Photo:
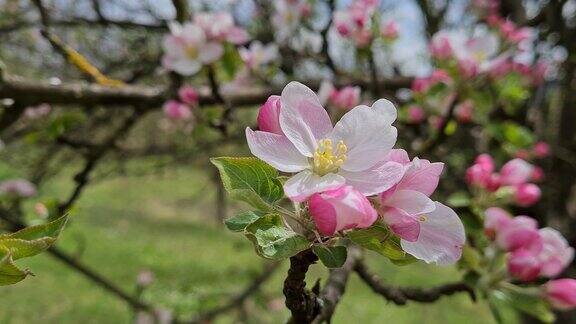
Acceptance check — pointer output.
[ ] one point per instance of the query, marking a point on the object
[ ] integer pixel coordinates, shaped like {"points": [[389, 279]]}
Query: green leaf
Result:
{"points": [[272, 240], [22, 249], [51, 230], [459, 199], [231, 60], [378, 238], [239, 222], [251, 180], [9, 272], [331, 256], [526, 300]]}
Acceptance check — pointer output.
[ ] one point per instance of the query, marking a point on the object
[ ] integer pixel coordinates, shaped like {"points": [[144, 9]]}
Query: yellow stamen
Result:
{"points": [[192, 52], [423, 218], [325, 161]]}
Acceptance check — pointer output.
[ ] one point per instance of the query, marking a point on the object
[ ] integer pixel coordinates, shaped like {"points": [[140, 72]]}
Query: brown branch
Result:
{"points": [[30, 92], [239, 299], [401, 295], [301, 302]]}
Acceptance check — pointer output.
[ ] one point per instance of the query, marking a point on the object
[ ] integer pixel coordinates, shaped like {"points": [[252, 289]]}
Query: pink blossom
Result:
{"points": [[485, 161], [464, 111], [354, 22], [561, 293], [515, 172], [556, 254], [539, 72], [541, 149], [526, 194], [258, 55], [176, 110], [186, 49], [421, 85], [389, 30], [537, 174], [341, 209], [495, 219], [481, 173], [346, 98], [524, 265], [188, 95], [416, 114], [428, 230], [468, 68], [440, 47], [324, 157], [18, 188], [269, 116]]}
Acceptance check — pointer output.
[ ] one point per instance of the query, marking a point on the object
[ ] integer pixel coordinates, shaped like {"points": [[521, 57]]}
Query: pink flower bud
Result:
{"points": [[541, 149], [464, 112], [556, 254], [440, 47], [346, 98], [416, 114], [495, 219], [524, 265], [527, 194], [561, 293], [18, 188], [486, 162], [537, 174], [516, 171], [468, 68], [269, 116], [341, 209], [390, 31], [188, 95], [176, 110]]}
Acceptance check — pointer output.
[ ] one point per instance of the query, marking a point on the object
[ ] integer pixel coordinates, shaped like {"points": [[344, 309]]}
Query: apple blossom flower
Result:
{"points": [[556, 254], [186, 49], [324, 157], [428, 230], [527, 194], [416, 114], [480, 50], [287, 17], [18, 188], [468, 68], [188, 95], [176, 110], [341, 209], [515, 172], [346, 98], [541, 149], [521, 232], [524, 265], [354, 22], [219, 27], [258, 55], [561, 293], [495, 219], [440, 47]]}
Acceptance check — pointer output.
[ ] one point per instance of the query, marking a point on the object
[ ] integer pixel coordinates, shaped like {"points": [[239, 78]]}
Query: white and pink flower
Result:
{"points": [[325, 157], [258, 55]]}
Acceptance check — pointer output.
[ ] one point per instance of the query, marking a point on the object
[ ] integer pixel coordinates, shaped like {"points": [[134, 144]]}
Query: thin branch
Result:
{"points": [[301, 302], [434, 141], [401, 295]]}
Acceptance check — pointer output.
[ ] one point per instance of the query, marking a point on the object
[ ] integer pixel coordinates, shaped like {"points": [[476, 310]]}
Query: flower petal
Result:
{"points": [[185, 66], [211, 52], [410, 201], [377, 179], [422, 176], [441, 237], [276, 150], [398, 155], [324, 215], [304, 184], [302, 117], [367, 133], [402, 224]]}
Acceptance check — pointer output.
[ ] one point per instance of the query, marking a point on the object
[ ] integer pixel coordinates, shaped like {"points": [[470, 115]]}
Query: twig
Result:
{"points": [[401, 295], [300, 301], [432, 142]]}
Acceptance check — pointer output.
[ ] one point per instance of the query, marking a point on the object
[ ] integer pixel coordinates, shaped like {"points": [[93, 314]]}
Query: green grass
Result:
{"points": [[167, 224]]}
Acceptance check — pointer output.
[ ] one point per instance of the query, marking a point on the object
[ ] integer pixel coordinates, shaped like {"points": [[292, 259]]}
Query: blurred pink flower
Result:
{"points": [[389, 30], [520, 233], [346, 98], [561, 293], [515, 172], [541, 149], [258, 55], [37, 112], [465, 111], [18, 188], [524, 265], [526, 194], [176, 110], [341, 209], [440, 47], [188, 95], [556, 254], [416, 114], [220, 27]]}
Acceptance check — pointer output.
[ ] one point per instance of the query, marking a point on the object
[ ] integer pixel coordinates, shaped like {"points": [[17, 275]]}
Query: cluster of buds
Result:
{"points": [[356, 23], [181, 109], [514, 178], [344, 98], [190, 46]]}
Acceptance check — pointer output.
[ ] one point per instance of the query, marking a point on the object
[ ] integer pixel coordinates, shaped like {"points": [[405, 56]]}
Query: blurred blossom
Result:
{"points": [[188, 95], [176, 110], [258, 55], [561, 293], [38, 112], [527, 194], [524, 265], [464, 111], [541, 149], [416, 114], [145, 278], [41, 210], [440, 47], [18, 188], [344, 98], [389, 30]]}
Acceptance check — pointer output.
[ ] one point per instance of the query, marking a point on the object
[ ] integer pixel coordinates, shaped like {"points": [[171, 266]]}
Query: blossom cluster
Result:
{"points": [[194, 44], [514, 179], [357, 23], [532, 253], [349, 176]]}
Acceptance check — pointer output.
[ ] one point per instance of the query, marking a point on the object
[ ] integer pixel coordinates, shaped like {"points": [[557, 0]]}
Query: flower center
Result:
{"points": [[326, 160], [192, 52], [423, 218]]}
